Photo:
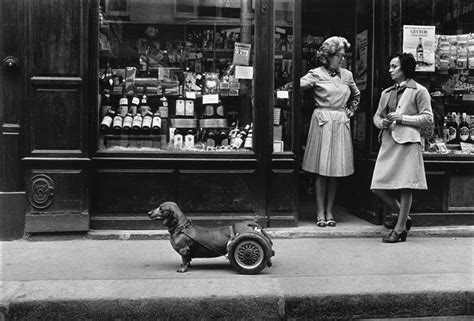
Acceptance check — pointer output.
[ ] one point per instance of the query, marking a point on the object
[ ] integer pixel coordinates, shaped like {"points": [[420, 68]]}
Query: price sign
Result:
{"points": [[241, 54]]}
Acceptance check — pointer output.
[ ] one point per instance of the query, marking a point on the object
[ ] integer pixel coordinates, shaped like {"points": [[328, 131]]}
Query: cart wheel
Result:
{"points": [[249, 253]]}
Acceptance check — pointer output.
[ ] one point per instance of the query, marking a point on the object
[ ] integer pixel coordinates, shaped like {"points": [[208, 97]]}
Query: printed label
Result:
{"points": [[180, 107]]}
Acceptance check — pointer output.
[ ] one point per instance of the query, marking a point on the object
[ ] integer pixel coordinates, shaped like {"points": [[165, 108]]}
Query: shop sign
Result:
{"points": [[241, 54], [421, 42]]}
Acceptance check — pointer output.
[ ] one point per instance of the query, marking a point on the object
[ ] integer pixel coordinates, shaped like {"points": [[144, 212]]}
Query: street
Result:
{"points": [[352, 273]]}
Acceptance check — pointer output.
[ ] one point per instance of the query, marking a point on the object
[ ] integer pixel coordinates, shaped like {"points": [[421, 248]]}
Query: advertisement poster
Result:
{"points": [[421, 42], [361, 60], [241, 54]]}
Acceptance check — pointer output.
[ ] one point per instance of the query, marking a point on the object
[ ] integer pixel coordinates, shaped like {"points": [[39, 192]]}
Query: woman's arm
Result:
{"points": [[307, 81], [380, 113], [354, 100], [424, 117]]}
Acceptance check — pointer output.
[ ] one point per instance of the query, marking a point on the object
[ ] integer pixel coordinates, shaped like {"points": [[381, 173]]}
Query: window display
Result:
{"points": [[452, 83], [168, 83]]}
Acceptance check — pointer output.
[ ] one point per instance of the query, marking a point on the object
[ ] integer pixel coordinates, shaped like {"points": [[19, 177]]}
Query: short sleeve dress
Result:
{"points": [[329, 149]]}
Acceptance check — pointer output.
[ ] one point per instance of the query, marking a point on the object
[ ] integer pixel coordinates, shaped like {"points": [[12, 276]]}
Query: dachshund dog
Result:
{"points": [[193, 241]]}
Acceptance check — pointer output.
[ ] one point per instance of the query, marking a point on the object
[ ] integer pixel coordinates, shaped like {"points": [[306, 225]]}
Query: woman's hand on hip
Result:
{"points": [[349, 112]]}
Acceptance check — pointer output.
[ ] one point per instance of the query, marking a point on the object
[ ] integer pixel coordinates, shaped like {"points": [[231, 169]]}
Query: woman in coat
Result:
{"points": [[329, 152], [403, 109]]}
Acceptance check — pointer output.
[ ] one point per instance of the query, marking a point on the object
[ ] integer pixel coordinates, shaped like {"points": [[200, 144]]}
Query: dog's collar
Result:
{"points": [[180, 227]]}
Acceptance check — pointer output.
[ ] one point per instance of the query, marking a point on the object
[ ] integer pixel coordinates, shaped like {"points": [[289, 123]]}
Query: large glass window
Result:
{"points": [[446, 68], [176, 76]]}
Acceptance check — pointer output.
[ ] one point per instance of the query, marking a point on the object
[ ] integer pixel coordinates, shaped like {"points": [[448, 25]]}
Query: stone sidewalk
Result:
{"points": [[312, 278]]}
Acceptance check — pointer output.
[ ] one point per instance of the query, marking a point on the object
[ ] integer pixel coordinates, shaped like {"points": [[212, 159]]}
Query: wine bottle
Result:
{"points": [[144, 108], [189, 109], [223, 138], [178, 139], [147, 121], [233, 133], [105, 104], [180, 107], [208, 111], [445, 129], [241, 137], [123, 102], [127, 122], [453, 129], [189, 139], [156, 123], [211, 139], [464, 129], [137, 122], [135, 104], [248, 144], [163, 108], [118, 122], [107, 120]]}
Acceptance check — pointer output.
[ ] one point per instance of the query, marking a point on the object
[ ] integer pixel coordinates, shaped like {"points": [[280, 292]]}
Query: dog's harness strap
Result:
{"points": [[202, 244], [181, 227]]}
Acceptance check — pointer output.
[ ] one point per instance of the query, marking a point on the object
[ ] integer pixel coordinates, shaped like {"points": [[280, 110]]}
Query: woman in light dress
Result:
{"points": [[329, 152]]}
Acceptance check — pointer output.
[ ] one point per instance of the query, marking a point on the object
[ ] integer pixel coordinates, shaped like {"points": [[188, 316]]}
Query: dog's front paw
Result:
{"points": [[181, 269]]}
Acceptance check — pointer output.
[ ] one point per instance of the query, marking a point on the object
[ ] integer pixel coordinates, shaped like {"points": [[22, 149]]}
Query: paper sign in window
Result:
{"points": [[243, 72]]}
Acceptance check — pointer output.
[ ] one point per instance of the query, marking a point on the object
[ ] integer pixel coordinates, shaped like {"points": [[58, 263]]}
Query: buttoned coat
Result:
{"points": [[415, 107]]}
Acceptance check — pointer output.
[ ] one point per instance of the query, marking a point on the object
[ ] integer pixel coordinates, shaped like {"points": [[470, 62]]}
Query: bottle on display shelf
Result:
{"points": [[189, 110], [123, 102], [118, 122], [143, 108], [163, 106], [471, 129], [239, 140], [453, 129], [178, 139], [211, 139], [106, 80], [180, 110], [223, 138], [464, 129], [137, 123], [445, 129], [233, 133], [248, 144], [107, 121], [147, 121], [156, 123], [127, 122], [134, 105], [189, 139]]}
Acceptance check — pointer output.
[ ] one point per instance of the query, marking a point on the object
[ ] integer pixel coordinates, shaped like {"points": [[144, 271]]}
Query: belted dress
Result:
{"points": [[329, 150]]}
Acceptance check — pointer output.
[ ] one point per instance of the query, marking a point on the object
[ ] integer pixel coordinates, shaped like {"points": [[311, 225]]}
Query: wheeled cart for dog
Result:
{"points": [[249, 251]]}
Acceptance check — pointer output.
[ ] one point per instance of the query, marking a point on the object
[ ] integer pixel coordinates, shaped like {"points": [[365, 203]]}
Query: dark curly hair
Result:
{"points": [[407, 63]]}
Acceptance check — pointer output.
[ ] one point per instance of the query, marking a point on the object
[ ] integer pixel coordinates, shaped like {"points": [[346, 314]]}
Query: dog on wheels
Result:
{"points": [[247, 246]]}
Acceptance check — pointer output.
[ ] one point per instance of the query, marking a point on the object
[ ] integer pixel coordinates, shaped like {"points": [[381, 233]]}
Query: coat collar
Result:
{"points": [[409, 84]]}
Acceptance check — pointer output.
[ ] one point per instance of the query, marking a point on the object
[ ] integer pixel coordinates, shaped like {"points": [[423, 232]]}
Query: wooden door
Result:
{"points": [[57, 115], [12, 194]]}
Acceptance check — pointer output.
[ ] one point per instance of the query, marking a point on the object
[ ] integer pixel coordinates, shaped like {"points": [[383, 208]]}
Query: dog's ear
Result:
{"points": [[165, 210]]}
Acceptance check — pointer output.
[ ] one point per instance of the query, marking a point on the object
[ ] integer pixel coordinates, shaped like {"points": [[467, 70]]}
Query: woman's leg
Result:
{"points": [[388, 199], [331, 195], [406, 198], [321, 187]]}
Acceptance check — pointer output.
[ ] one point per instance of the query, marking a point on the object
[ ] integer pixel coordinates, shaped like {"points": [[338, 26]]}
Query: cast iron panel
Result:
{"points": [[433, 199], [56, 31], [57, 191], [283, 191], [461, 193], [57, 122], [217, 191], [131, 191]]}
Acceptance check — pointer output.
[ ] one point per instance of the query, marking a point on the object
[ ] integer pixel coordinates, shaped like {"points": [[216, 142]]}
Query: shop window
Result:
{"points": [[446, 68], [173, 81]]}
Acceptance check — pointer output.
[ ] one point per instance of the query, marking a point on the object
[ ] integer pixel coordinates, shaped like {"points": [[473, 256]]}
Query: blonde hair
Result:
{"points": [[330, 47]]}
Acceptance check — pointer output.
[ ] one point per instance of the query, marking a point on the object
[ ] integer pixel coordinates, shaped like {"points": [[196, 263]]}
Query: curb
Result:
{"points": [[274, 307]]}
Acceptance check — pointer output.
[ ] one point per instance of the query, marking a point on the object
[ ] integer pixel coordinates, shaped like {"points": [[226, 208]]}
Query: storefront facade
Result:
{"points": [[75, 72]]}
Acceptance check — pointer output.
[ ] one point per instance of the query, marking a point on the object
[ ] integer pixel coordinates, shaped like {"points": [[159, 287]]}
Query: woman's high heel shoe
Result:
{"points": [[395, 237]]}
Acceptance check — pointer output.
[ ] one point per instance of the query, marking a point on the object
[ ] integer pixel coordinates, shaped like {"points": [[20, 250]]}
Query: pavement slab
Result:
{"points": [[316, 278]]}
